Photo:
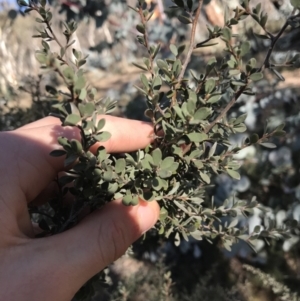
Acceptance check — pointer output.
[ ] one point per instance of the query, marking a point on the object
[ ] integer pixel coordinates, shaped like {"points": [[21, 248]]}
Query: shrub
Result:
{"points": [[192, 120]]}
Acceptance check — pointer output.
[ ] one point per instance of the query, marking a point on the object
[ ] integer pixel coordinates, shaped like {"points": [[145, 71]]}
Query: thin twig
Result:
{"points": [[265, 65], [146, 38], [262, 139], [189, 53], [72, 216], [274, 40], [53, 35], [48, 27], [192, 43], [227, 108]]}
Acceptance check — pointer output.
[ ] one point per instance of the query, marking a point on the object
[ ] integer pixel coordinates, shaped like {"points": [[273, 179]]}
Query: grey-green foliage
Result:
{"points": [[191, 129], [267, 281]]}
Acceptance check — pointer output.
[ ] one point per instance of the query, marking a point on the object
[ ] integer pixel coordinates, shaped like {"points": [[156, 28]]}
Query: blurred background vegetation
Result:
{"points": [[156, 269]]}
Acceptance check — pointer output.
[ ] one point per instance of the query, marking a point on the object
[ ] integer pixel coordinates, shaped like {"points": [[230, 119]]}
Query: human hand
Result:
{"points": [[54, 268]]}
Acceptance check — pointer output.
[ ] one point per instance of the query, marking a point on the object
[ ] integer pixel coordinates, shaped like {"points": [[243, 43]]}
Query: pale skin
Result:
{"points": [[54, 268]]}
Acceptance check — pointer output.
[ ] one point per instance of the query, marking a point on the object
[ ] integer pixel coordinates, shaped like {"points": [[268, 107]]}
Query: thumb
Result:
{"points": [[100, 239]]}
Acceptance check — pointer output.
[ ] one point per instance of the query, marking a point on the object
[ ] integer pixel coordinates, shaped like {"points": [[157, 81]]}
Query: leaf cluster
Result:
{"points": [[192, 128]]}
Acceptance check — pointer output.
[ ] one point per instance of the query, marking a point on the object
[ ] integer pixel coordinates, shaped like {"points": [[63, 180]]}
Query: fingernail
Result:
{"points": [[148, 215]]}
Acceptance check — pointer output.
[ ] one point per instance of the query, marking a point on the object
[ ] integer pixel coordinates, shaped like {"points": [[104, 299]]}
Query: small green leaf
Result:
{"points": [[72, 119], [22, 3], [79, 83], [41, 57], [62, 51], [210, 64], [278, 74], [49, 16], [103, 136], [76, 53], [146, 162], [157, 156], [161, 230], [68, 73], [191, 106], [112, 188], [180, 206], [234, 174], [58, 153], [120, 165], [162, 64], [256, 76], [76, 146], [212, 150], [262, 36], [141, 28], [174, 49], [63, 141], [164, 174], [214, 98], [157, 82], [38, 20], [173, 167], [184, 20], [241, 128], [201, 45], [268, 145], [198, 235], [70, 159], [140, 66], [205, 177], [81, 63], [45, 45], [157, 183], [232, 64], [202, 113], [234, 72], [89, 109], [245, 48], [163, 214], [279, 134], [210, 85], [144, 80], [238, 83], [181, 48], [197, 137], [155, 51], [107, 176], [101, 124], [149, 113], [167, 162], [227, 34], [263, 20], [51, 90], [240, 119], [254, 138]]}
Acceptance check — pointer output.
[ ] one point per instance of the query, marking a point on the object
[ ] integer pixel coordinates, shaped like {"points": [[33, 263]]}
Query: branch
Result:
{"points": [[190, 51], [274, 40], [53, 34], [192, 43], [227, 108], [146, 38], [48, 25], [266, 64]]}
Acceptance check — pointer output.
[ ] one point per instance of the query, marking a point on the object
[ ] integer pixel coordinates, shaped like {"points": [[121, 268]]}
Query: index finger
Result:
{"points": [[37, 140], [127, 135]]}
